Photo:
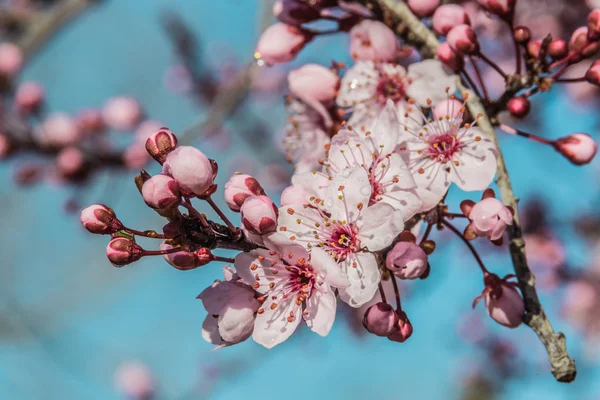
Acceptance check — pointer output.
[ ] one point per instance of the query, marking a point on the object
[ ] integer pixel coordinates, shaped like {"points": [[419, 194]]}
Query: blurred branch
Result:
{"points": [[563, 367]]}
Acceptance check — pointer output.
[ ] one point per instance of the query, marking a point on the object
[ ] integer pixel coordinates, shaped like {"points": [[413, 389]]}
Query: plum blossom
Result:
{"points": [[347, 228], [445, 150], [374, 151], [305, 137], [488, 217], [295, 285], [367, 86]]}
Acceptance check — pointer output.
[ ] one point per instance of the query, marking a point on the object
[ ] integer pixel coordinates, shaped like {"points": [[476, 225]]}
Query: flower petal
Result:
{"points": [[476, 162], [320, 310], [429, 80], [210, 330], [216, 296], [349, 190], [379, 225], [386, 129], [358, 84], [324, 264], [236, 321], [363, 274], [272, 326]]}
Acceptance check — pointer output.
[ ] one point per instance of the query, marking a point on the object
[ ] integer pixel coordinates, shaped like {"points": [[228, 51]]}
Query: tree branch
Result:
{"points": [[563, 367]]}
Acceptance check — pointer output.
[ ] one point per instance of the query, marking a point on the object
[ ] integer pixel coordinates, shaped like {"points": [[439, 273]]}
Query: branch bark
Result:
{"points": [[563, 366]]}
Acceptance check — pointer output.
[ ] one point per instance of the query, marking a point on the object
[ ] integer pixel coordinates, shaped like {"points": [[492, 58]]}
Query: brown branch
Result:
{"points": [[563, 367]]}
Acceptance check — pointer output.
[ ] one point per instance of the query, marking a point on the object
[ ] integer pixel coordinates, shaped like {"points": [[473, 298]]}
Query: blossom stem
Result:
{"points": [[570, 80], [382, 293], [397, 293], [223, 259], [469, 245], [517, 49], [535, 138], [148, 234], [427, 232], [480, 78], [161, 252], [471, 83], [188, 205], [494, 65], [220, 213], [454, 215]]}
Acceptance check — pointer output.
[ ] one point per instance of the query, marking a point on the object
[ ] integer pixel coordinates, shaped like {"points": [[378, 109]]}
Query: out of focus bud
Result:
{"points": [[579, 148], [380, 319], [29, 97], [448, 108], [534, 47], [593, 25], [522, 34], [295, 195], [314, 82], [100, 219], [519, 107], [6, 146], [403, 329], [373, 41], [238, 188], [593, 73], [59, 130], [192, 170], [11, 59], [502, 8], [90, 121], [294, 12], [122, 113], [423, 8], [259, 215], [160, 144], [122, 251], [558, 49], [447, 16], [161, 192], [281, 43], [449, 57], [406, 260], [70, 162], [462, 39], [134, 381], [579, 42]]}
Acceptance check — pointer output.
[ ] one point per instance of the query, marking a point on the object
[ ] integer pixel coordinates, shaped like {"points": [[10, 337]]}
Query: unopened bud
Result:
{"points": [[579, 148], [462, 39], [238, 188], [100, 219], [558, 49], [122, 251], [380, 319], [161, 192], [522, 34], [161, 144], [402, 330], [519, 107], [259, 215]]}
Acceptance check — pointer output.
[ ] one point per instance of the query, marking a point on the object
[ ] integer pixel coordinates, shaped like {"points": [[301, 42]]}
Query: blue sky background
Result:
{"points": [[69, 318]]}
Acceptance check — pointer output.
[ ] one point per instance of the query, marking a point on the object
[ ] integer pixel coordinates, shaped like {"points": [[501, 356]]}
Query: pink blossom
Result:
{"points": [[505, 305], [90, 121], [579, 148], [295, 194], [593, 24], [134, 380], [407, 260], [11, 59], [314, 83], [489, 218], [448, 16], [463, 40], [373, 41], [192, 170], [423, 8], [231, 306], [122, 113], [259, 215], [295, 285], [502, 8], [161, 192], [70, 161], [380, 319], [280, 43], [448, 107], [238, 188], [29, 97], [344, 226], [443, 151], [135, 156], [59, 130], [367, 87], [449, 57], [100, 219]]}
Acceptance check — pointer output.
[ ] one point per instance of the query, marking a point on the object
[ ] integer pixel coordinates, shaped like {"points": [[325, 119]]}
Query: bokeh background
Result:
{"points": [[69, 320]]}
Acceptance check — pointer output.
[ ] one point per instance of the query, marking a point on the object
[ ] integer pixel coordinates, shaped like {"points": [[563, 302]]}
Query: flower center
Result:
{"points": [[443, 147], [343, 241], [390, 87]]}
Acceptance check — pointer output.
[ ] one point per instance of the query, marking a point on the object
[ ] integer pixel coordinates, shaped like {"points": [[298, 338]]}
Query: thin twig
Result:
{"points": [[563, 366]]}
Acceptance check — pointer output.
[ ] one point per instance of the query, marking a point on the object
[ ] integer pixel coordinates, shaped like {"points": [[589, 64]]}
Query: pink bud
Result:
{"points": [[161, 192], [579, 148], [281, 43], [519, 107], [407, 260], [423, 8], [579, 40], [314, 82], [558, 49], [11, 59], [593, 24], [403, 329], [135, 156], [448, 108], [122, 251], [160, 144], [502, 8], [593, 73], [122, 113], [70, 162], [60, 130], [380, 319], [185, 260], [449, 57], [505, 305], [294, 12], [522, 34], [90, 121], [295, 195], [238, 188], [191, 169], [534, 47], [373, 41], [489, 218], [259, 215], [29, 97], [448, 16], [463, 40], [134, 380], [100, 219], [5, 146]]}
